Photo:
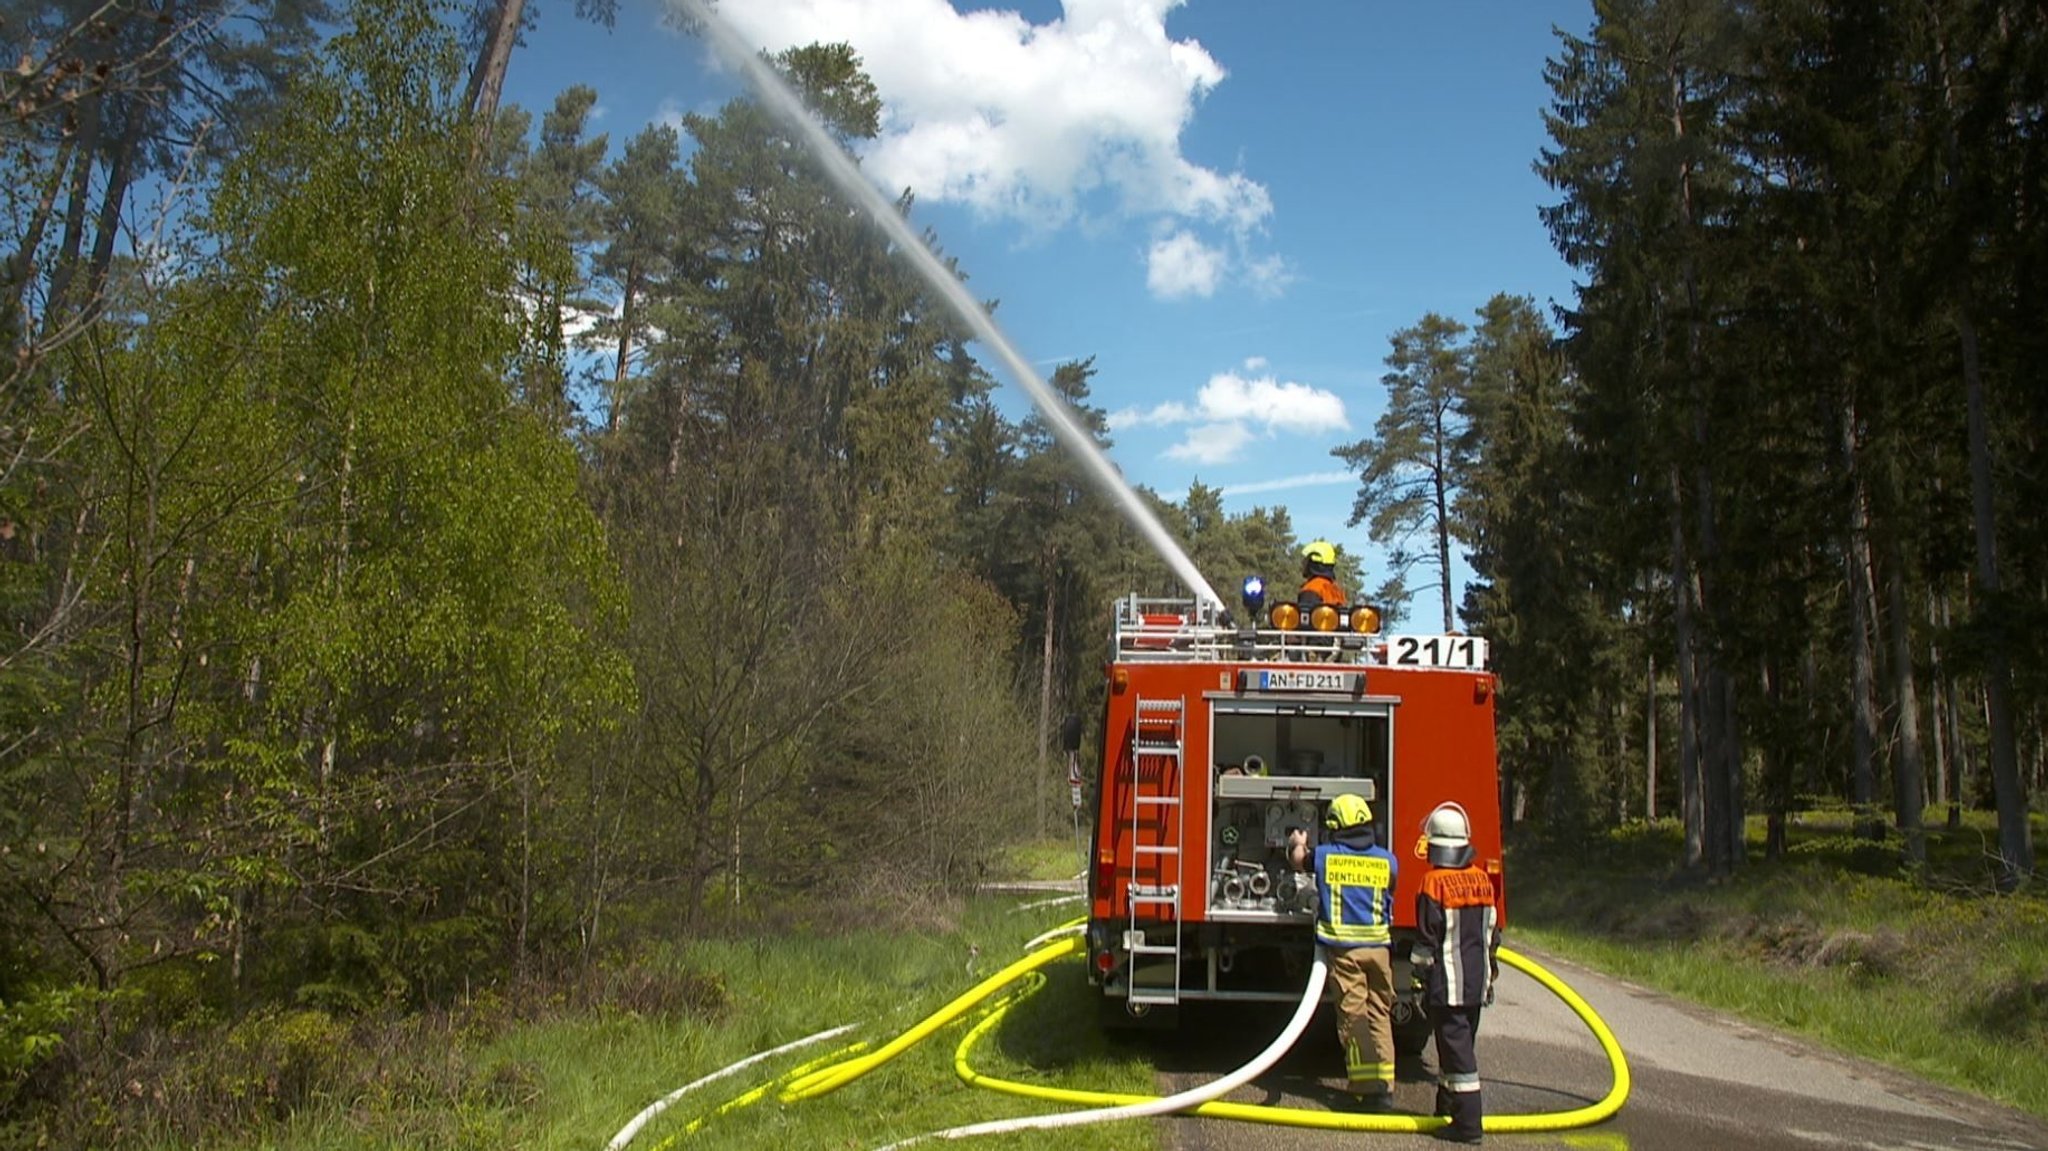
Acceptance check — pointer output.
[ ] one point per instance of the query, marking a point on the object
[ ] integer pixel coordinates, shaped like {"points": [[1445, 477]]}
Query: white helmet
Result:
{"points": [[1449, 831]]}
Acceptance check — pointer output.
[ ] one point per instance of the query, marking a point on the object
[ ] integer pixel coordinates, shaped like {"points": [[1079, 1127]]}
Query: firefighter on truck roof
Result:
{"points": [[1319, 576], [1354, 925]]}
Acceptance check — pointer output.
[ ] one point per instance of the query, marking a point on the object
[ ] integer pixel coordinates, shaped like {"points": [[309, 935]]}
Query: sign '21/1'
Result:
{"points": [[1436, 651]]}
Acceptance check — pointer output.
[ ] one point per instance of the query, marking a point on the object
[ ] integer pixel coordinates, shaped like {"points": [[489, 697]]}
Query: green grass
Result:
{"points": [[1935, 974], [574, 1077], [1046, 859]]}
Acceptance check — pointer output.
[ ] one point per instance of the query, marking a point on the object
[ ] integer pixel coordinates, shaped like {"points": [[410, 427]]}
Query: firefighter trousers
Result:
{"points": [[1457, 1069], [1365, 1016]]}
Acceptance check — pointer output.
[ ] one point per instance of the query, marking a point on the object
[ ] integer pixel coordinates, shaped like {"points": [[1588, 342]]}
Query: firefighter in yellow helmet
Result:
{"points": [[1354, 925], [1455, 961], [1319, 576]]}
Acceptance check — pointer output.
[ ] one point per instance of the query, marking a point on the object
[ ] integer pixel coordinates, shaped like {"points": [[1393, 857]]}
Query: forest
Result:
{"points": [[442, 545]]}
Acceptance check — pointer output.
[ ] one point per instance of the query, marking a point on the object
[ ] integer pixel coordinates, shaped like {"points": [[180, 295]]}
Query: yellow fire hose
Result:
{"points": [[1302, 1117], [840, 1074], [811, 1081]]}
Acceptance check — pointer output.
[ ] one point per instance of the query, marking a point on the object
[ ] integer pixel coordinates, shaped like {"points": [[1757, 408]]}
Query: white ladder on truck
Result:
{"points": [[1158, 743]]}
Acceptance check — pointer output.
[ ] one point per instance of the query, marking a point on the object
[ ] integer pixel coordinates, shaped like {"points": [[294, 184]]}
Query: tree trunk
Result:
{"points": [[21, 266], [2015, 839], [1722, 820], [1443, 530], [487, 79], [739, 807], [525, 867], [1691, 797], [1960, 751], [1045, 691], [1777, 771], [1936, 702], [1862, 659], [56, 308], [629, 288], [108, 230], [1650, 740], [1735, 808], [1618, 720], [1721, 747], [1909, 769]]}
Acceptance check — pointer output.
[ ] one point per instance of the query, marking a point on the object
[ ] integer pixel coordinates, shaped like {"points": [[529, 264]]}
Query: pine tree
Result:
{"points": [[1413, 467]]}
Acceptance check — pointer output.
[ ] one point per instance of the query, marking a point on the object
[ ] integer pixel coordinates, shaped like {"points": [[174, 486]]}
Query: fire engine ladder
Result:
{"points": [[1157, 746]]}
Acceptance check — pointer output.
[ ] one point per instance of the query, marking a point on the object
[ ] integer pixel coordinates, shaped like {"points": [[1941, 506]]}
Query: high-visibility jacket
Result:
{"points": [[1323, 588], [1355, 886], [1457, 936]]}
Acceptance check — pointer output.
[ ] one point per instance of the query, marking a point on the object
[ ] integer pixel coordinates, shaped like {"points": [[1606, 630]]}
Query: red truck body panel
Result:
{"points": [[1219, 742]]}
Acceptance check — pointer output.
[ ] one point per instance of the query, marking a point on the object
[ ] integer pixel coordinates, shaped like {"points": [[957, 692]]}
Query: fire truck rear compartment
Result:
{"points": [[1249, 934], [1317, 751]]}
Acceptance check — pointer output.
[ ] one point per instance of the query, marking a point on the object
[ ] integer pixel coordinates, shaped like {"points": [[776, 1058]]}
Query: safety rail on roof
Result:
{"points": [[1160, 630]]}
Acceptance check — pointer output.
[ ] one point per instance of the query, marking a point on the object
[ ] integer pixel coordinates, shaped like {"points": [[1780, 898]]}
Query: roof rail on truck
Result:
{"points": [[1150, 629]]}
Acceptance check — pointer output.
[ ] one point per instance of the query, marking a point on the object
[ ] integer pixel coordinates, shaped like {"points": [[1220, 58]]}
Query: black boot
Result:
{"points": [[1466, 1116]]}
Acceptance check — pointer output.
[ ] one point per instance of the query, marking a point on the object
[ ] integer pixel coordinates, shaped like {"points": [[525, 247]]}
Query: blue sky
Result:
{"points": [[1230, 204]]}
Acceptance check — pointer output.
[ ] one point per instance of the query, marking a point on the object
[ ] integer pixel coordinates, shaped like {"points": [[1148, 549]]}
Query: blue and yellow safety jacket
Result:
{"points": [[1355, 884]]}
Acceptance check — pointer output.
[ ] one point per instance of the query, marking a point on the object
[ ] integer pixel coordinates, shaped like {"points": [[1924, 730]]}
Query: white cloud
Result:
{"points": [[1289, 406], [1211, 444], [1289, 483], [1231, 410], [1042, 123], [1268, 276], [1181, 265]]}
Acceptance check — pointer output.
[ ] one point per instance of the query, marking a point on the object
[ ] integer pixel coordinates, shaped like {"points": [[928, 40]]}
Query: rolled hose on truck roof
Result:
{"points": [[1103, 1107]]}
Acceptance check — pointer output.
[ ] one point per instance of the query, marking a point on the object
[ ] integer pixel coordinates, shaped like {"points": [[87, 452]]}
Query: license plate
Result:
{"points": [[1341, 681], [1464, 651]]}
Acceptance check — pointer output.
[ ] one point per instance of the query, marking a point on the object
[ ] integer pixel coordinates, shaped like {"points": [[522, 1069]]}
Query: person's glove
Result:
{"points": [[1299, 852]]}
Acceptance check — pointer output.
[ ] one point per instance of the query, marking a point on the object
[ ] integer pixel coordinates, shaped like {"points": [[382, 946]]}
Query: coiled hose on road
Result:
{"points": [[1109, 1106], [1331, 1120]]}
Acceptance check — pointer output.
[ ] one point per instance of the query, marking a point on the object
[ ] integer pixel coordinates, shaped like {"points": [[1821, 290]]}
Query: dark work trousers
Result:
{"points": [[1457, 1068]]}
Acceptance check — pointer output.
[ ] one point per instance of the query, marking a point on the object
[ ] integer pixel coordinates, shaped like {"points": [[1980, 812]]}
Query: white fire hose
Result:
{"points": [[1164, 1105]]}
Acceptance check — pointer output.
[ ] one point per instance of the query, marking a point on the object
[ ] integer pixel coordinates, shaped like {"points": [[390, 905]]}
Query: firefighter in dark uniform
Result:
{"points": [[1455, 960], [1354, 924]]}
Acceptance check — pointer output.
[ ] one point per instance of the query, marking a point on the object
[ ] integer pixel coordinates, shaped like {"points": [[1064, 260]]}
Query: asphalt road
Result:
{"points": [[1701, 1080]]}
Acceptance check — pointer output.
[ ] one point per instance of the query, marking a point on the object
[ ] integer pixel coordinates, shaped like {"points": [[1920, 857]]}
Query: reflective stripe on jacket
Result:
{"points": [[1458, 931], [1356, 888]]}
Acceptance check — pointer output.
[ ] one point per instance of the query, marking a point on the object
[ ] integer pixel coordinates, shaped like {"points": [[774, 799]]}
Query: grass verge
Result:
{"points": [[572, 1076], [1045, 860], [1933, 973]]}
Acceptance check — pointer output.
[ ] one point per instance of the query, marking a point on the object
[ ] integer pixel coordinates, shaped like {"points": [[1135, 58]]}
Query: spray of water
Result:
{"points": [[846, 176]]}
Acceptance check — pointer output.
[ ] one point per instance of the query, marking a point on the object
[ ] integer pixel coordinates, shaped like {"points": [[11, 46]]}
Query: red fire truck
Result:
{"points": [[1220, 740]]}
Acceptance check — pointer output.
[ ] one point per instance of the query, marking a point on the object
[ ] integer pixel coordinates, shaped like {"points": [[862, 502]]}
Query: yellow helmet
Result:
{"points": [[1320, 552], [1347, 811]]}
